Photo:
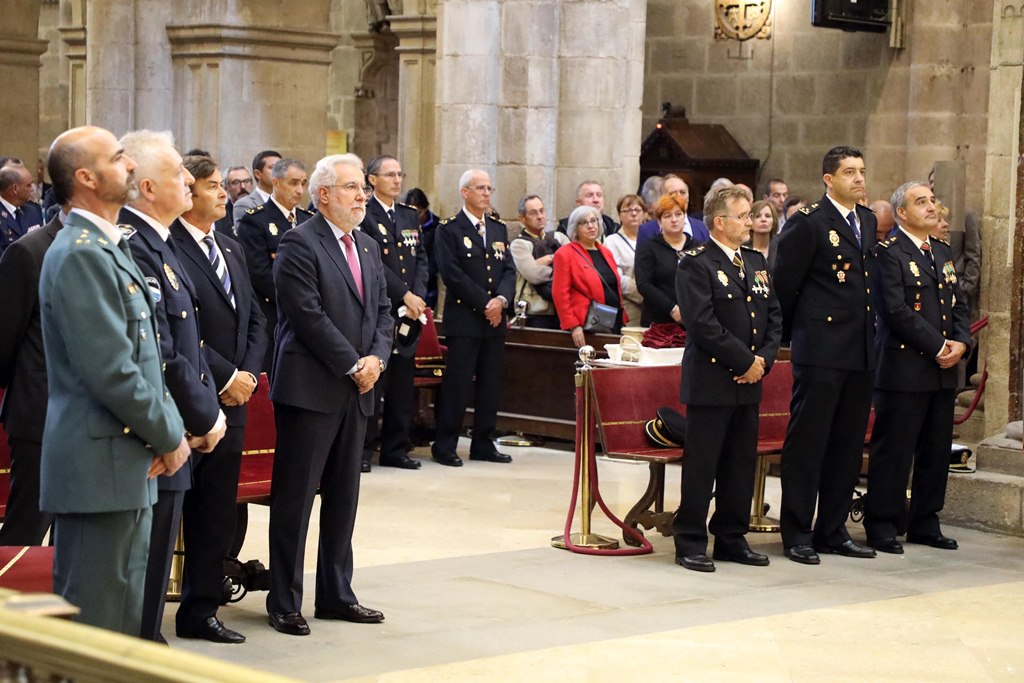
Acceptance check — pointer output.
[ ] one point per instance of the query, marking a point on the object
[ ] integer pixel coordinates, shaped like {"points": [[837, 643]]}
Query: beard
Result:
{"points": [[114, 193]]}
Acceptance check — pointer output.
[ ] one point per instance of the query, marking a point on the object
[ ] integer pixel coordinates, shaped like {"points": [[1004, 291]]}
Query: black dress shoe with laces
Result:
{"points": [[447, 459], [698, 562], [290, 623], [493, 455], [744, 556], [214, 630], [401, 461], [848, 548], [804, 554], [937, 541], [887, 545], [357, 614]]}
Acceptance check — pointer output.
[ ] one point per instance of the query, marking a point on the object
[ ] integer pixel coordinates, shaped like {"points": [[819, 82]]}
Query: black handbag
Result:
{"points": [[600, 318]]}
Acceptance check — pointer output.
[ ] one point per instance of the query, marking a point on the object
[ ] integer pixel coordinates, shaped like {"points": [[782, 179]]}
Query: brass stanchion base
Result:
{"points": [[764, 524], [518, 439], [586, 541]]}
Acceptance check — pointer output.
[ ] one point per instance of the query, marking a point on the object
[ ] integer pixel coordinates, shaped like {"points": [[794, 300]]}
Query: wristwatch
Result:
{"points": [[383, 365]]}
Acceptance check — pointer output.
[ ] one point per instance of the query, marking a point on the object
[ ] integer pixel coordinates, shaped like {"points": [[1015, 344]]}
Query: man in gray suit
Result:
{"points": [[262, 165], [111, 427]]}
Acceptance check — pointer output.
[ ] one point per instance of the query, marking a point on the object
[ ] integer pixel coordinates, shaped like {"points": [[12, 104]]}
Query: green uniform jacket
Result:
{"points": [[109, 412]]}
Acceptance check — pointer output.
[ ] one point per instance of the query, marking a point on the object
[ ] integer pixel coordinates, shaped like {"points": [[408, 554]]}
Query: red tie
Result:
{"points": [[353, 263]]}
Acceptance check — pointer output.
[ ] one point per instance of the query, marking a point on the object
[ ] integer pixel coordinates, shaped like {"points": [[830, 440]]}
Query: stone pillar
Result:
{"points": [[417, 74], [110, 64], [1003, 224], [152, 67], [20, 52]]}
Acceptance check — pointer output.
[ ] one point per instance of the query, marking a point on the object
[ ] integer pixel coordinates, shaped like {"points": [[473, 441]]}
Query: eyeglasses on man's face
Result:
{"points": [[238, 182], [743, 217], [390, 175], [483, 189]]}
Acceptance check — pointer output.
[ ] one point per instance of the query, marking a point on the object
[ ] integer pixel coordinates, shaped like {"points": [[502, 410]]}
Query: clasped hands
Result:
{"points": [[493, 311], [171, 462], [951, 354], [367, 373], [753, 374], [240, 390]]}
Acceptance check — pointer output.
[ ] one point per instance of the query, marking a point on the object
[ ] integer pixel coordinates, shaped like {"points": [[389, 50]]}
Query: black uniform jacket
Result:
{"points": [[919, 308], [728, 321], [260, 231], [822, 278], [474, 270], [401, 249]]}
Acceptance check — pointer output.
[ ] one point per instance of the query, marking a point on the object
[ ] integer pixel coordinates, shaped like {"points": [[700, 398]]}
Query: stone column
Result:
{"points": [[110, 64], [152, 67], [1003, 224], [417, 74], [20, 52]]}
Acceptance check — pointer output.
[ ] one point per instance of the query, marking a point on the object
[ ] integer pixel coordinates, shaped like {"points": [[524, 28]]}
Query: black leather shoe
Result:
{"points": [[804, 554], [698, 562], [848, 548], [447, 459], [491, 456], [290, 623], [887, 545], [401, 461], [214, 630], [745, 556], [938, 541], [354, 613], [365, 466]]}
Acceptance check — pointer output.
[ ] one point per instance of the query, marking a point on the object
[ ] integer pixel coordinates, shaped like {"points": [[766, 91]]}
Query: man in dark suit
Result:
{"points": [[335, 332], [733, 326], [260, 231], [259, 193], [23, 377], [111, 426], [474, 259], [923, 331], [162, 195], [19, 215], [232, 326], [822, 281], [238, 185], [591, 193], [694, 227], [395, 227]]}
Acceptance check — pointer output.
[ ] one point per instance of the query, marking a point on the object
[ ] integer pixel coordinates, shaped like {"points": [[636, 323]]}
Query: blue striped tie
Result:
{"points": [[219, 267]]}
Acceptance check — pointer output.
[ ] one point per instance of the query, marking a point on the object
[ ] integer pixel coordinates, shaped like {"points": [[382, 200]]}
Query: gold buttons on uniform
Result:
{"points": [[713, 360], [755, 330], [868, 290], [126, 430], [748, 299], [201, 343], [869, 308], [829, 319], [903, 346], [940, 285], [753, 315], [142, 335], [143, 315], [184, 314]]}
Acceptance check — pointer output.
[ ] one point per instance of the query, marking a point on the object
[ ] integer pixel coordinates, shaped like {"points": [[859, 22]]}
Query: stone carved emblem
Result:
{"points": [[743, 19]]}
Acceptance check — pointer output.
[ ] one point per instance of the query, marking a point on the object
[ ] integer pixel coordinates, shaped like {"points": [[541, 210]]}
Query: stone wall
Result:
{"points": [[789, 98]]}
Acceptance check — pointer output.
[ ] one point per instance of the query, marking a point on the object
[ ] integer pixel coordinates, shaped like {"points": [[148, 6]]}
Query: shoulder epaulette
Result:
{"points": [[305, 211], [748, 248], [939, 239], [807, 209], [126, 230], [408, 206], [254, 210], [448, 220], [696, 250], [886, 243], [498, 220]]}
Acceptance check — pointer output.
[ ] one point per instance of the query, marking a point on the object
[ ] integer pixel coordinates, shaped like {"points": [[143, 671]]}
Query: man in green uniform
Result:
{"points": [[111, 427]]}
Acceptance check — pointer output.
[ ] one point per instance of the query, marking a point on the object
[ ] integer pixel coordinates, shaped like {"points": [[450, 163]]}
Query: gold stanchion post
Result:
{"points": [[758, 520]]}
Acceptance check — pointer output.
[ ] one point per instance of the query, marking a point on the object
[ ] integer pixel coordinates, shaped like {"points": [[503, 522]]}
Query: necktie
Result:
{"points": [[18, 215], [219, 267], [391, 217], [852, 220], [353, 263], [291, 218], [927, 249], [738, 262], [123, 243], [480, 229]]}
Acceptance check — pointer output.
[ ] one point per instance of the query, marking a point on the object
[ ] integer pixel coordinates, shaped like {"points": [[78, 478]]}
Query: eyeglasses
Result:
{"points": [[634, 209], [744, 217], [390, 175], [589, 221], [482, 188], [238, 182], [352, 187]]}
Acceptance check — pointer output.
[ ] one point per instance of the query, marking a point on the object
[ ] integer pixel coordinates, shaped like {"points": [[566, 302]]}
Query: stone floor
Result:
{"points": [[460, 563]]}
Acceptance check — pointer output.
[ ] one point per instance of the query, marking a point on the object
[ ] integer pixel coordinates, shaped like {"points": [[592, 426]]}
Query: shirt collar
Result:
{"points": [[843, 211], [283, 210], [473, 220], [105, 226], [385, 206], [338, 232], [197, 234], [11, 208], [161, 230], [729, 252], [917, 242]]}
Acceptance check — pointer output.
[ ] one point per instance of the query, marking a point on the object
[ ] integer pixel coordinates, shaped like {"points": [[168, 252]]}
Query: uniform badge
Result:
{"points": [[841, 275], [917, 306], [760, 282], [723, 278], [499, 249], [385, 251], [132, 289], [154, 289], [273, 229], [171, 277], [914, 270], [383, 230], [949, 272], [411, 238], [833, 238], [468, 242], [126, 230]]}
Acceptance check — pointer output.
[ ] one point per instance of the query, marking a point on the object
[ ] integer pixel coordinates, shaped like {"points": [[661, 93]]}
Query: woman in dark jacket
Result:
{"points": [[657, 260]]}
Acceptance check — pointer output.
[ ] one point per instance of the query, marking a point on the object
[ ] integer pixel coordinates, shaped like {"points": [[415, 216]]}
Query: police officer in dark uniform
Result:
{"points": [[163, 194], [822, 280], [923, 330], [733, 327], [474, 259], [396, 229], [260, 230]]}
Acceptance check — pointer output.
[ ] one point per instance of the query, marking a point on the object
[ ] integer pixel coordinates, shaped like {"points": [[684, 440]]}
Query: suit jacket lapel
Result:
{"points": [[917, 257], [841, 225], [728, 267], [189, 248]]}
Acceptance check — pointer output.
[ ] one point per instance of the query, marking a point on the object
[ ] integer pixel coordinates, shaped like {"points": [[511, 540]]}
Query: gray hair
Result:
{"points": [[523, 200], [899, 197], [719, 182], [281, 167], [143, 147], [325, 175], [237, 168], [579, 188], [466, 178], [578, 215], [717, 200], [651, 189], [11, 176]]}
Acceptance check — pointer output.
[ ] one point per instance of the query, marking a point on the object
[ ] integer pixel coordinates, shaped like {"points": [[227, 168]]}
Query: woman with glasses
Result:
{"points": [[585, 272], [765, 235], [656, 263], [622, 245]]}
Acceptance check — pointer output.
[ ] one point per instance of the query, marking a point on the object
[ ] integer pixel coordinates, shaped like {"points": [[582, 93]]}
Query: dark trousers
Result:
{"points": [[910, 428], [99, 565], [24, 522], [166, 521], [469, 356], [395, 404], [208, 518], [314, 449], [822, 454], [721, 452]]}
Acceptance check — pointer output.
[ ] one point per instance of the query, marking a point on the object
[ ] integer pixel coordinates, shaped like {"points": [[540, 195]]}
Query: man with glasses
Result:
{"points": [[733, 327], [335, 334], [474, 259], [238, 185], [533, 252], [395, 227], [262, 170]]}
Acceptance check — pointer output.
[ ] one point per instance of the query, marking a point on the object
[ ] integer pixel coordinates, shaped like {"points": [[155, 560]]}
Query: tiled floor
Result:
{"points": [[460, 562]]}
